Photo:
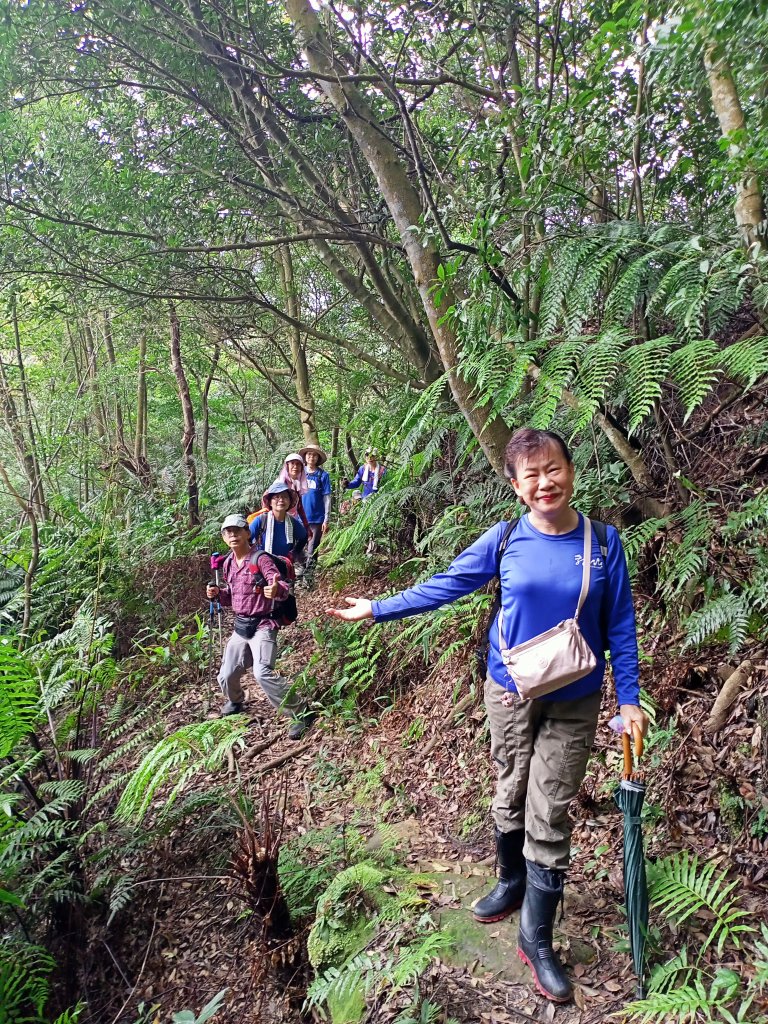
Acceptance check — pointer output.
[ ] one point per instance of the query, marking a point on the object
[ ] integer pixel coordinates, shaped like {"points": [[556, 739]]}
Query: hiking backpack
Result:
{"points": [[285, 611]]}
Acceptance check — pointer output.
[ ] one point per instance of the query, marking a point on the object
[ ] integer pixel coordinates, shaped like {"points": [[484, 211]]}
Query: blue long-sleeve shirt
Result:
{"points": [[368, 488], [540, 584], [280, 544]]}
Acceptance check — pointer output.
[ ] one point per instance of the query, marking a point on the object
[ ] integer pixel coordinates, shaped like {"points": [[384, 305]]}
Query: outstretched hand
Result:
{"points": [[359, 608]]}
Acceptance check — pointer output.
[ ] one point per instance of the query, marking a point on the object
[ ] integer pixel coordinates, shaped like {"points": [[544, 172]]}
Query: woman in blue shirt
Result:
{"points": [[317, 500], [370, 475], [541, 746], [276, 531]]}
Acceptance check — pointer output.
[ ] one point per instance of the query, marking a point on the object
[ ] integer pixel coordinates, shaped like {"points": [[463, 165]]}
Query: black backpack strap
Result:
{"points": [[224, 565], [601, 532], [496, 605]]}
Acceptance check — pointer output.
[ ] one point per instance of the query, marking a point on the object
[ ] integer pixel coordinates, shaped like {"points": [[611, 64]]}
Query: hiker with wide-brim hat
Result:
{"points": [[317, 500], [253, 643], [276, 530], [369, 475], [565, 600]]}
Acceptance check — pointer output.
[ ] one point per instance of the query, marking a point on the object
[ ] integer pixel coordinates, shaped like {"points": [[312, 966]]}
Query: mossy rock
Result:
{"points": [[346, 915]]}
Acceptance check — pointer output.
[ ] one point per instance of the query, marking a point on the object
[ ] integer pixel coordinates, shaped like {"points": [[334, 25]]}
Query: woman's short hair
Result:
{"points": [[526, 442]]}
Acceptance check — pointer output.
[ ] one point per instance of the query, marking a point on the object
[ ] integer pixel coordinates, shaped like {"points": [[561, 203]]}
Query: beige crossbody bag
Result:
{"points": [[558, 656]]}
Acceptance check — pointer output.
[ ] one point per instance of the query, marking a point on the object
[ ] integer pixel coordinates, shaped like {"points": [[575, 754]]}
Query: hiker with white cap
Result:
{"points": [[317, 500], [370, 475], [254, 588], [294, 474]]}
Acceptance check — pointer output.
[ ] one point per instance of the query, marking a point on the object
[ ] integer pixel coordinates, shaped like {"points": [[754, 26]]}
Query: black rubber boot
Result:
{"points": [[543, 893], [507, 894]]}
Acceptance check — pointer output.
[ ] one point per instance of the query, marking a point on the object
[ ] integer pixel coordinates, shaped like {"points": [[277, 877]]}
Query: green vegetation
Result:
{"points": [[232, 228]]}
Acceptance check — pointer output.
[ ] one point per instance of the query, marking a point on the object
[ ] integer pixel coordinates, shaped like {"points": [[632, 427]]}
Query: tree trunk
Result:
{"points": [[119, 426], [28, 509], [27, 461], [750, 207], [205, 391], [385, 307], [92, 373], [140, 460], [298, 350], [188, 417], [404, 204]]}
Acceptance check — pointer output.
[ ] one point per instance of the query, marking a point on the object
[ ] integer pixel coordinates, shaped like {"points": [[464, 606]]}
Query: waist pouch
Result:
{"points": [[557, 656], [550, 660], [246, 625]]}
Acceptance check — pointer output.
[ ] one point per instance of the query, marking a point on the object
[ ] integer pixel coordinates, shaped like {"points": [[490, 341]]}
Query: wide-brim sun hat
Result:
{"points": [[321, 455], [293, 457], [278, 487], [234, 521]]}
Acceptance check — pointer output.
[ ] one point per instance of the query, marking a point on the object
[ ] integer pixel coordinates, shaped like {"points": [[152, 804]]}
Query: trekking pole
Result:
{"points": [[216, 560], [214, 613]]}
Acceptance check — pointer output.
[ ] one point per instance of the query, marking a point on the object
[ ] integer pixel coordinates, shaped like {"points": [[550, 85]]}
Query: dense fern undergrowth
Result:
{"points": [[111, 781], [90, 797]]}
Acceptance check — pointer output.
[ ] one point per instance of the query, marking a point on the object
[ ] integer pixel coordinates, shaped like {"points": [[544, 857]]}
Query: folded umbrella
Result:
{"points": [[629, 798]]}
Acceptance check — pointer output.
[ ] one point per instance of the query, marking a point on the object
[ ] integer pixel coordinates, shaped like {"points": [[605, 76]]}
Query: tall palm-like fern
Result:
{"points": [[20, 704]]}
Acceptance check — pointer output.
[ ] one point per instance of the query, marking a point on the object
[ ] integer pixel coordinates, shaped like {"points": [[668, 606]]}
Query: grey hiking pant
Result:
{"points": [[541, 749], [260, 654], [315, 537]]}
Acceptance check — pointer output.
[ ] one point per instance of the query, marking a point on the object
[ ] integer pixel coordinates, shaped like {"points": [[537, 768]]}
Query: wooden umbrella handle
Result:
{"points": [[638, 737], [627, 744], [626, 741]]}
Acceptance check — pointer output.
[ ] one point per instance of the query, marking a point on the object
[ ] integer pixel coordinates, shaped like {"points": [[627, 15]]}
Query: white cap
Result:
{"points": [[234, 520]]}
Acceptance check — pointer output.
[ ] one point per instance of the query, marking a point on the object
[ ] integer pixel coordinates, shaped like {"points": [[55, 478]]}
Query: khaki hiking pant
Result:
{"points": [[260, 654], [541, 748]]}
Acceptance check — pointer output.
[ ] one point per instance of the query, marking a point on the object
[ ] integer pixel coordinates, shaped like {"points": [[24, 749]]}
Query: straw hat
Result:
{"points": [[321, 456]]}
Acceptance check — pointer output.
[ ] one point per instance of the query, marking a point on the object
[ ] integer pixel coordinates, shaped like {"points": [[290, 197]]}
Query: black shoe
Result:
{"points": [[232, 708], [543, 893], [299, 726], [508, 893]]}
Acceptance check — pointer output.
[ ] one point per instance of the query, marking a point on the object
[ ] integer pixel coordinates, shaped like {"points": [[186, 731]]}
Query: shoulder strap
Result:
{"points": [[496, 604], [586, 566], [227, 562], [511, 527], [601, 532]]}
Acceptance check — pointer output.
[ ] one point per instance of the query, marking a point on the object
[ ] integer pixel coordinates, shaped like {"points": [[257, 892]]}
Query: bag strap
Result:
{"points": [[586, 566], [601, 532], [585, 574]]}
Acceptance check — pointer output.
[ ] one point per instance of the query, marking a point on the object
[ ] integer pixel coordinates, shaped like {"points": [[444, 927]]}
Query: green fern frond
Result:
{"points": [[24, 973], [679, 887], [647, 369], [598, 367], [694, 368], [726, 619], [19, 697], [175, 761], [751, 515]]}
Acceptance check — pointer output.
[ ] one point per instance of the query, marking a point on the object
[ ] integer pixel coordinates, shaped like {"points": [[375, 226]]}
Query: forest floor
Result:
{"points": [[423, 771]]}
